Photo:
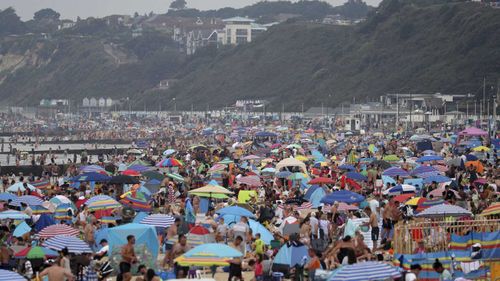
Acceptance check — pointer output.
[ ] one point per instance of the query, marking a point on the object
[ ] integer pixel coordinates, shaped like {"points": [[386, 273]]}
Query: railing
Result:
{"points": [[436, 234]]}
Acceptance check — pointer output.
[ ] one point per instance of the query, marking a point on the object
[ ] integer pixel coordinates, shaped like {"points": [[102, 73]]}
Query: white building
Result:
{"points": [[93, 102], [238, 30], [86, 102]]}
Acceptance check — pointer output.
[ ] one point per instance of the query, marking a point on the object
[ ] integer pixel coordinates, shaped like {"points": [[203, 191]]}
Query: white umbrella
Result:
{"points": [[444, 210]]}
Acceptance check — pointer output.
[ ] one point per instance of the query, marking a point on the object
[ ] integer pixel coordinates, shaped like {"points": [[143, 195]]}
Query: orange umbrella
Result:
{"points": [[477, 164]]}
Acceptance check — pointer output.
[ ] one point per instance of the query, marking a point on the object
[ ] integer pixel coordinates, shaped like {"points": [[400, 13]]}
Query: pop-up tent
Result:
{"points": [[145, 236]]}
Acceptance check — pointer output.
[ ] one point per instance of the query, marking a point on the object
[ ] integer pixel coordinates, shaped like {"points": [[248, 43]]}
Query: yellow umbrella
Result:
{"points": [[201, 261], [211, 189], [481, 148], [493, 209], [413, 201], [302, 158]]}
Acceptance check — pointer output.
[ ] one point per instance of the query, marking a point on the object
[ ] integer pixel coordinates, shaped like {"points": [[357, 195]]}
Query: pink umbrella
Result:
{"points": [[217, 168], [441, 168], [438, 192], [250, 180], [250, 157]]}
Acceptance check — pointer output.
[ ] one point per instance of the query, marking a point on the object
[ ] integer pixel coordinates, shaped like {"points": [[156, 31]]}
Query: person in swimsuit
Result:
{"points": [[128, 258]]}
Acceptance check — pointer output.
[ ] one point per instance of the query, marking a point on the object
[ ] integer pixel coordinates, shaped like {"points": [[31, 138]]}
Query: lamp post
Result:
{"points": [[175, 104]]}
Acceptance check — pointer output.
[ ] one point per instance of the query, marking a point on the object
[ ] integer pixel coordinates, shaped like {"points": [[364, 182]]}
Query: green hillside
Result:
{"points": [[446, 48]]}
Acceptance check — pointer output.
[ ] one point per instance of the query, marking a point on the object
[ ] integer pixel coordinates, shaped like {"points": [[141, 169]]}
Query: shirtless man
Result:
{"points": [[128, 258], [373, 223], [5, 254], [57, 273], [180, 248]]}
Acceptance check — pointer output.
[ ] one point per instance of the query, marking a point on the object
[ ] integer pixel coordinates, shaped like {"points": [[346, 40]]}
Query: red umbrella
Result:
{"points": [[321, 180], [131, 173], [80, 202]]}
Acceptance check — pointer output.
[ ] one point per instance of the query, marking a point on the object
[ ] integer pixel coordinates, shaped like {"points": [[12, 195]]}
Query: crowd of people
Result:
{"points": [[277, 167]]}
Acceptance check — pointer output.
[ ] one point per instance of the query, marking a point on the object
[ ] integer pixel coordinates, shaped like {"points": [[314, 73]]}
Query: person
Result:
{"points": [[64, 261], [412, 275], [5, 256], [142, 270], [177, 250], [259, 269], [259, 245], [128, 258], [221, 230], [420, 249], [373, 223], [235, 266], [103, 251], [89, 234], [313, 264], [151, 275], [444, 274], [56, 273]]}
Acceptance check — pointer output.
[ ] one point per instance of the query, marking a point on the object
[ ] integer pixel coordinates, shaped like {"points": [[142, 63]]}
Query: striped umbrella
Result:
{"points": [[36, 252], [253, 181], [102, 204], [425, 203], [62, 211], [395, 171], [217, 168], [7, 275], [91, 168], [169, 162], [365, 271], [98, 198], [13, 215], [199, 235], [202, 261], [493, 209], [58, 229], [137, 202], [75, 245], [59, 199], [444, 210], [38, 210], [30, 200], [159, 220]]}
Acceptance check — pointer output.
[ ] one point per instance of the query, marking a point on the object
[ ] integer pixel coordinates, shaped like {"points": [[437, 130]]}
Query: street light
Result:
{"points": [[175, 104]]}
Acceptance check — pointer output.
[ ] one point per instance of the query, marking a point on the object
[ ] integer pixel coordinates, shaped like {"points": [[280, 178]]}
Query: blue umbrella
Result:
{"points": [[428, 158], [424, 170], [139, 168], [265, 234], [345, 196], [471, 157], [265, 134], [91, 176], [365, 271], [5, 196], [437, 178], [13, 215], [21, 229], [283, 174], [310, 191], [395, 171], [213, 250], [235, 210], [19, 186], [290, 255], [168, 152], [347, 167], [356, 176], [7, 275]]}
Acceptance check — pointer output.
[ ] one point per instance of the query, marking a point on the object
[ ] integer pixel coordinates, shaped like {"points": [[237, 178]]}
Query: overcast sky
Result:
{"points": [[70, 9]]}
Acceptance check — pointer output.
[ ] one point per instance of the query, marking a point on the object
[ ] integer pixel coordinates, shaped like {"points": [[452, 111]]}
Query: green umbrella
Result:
{"points": [[216, 196], [153, 175], [226, 161], [36, 253], [175, 177], [391, 158]]}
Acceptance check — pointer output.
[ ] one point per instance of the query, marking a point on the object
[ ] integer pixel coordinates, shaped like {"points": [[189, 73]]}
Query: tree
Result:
{"points": [[178, 4], [46, 14], [10, 23]]}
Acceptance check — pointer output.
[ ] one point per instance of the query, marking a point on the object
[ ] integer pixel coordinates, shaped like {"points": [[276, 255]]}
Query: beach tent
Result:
{"points": [[265, 234], [289, 255], [316, 197], [145, 235]]}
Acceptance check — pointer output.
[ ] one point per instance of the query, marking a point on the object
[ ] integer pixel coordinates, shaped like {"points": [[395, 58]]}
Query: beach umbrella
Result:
{"points": [[345, 196], [169, 162], [251, 157], [29, 200], [60, 199], [403, 197], [137, 202], [425, 203], [481, 148], [356, 176], [138, 168], [91, 168], [98, 198], [400, 188], [158, 220], [7, 275], [283, 174], [201, 261], [123, 179], [424, 170], [269, 170], [225, 161], [132, 173], [429, 152], [253, 181], [265, 234], [438, 192], [169, 152], [322, 180], [440, 168], [347, 167], [493, 209], [176, 177], [211, 189], [91, 176], [444, 210], [471, 157], [414, 201], [289, 255], [36, 252], [217, 168], [38, 210], [365, 271], [5, 196], [19, 186], [21, 229], [153, 175], [391, 158], [199, 235], [103, 204], [344, 207], [134, 151], [75, 245], [395, 172], [429, 158], [58, 229], [382, 164], [235, 210], [214, 250], [437, 179]]}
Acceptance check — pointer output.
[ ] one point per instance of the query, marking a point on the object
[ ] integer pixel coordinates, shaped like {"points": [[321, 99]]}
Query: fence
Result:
{"points": [[436, 234]]}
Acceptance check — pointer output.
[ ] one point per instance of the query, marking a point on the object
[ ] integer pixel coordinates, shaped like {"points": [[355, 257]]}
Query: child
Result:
{"points": [[258, 269]]}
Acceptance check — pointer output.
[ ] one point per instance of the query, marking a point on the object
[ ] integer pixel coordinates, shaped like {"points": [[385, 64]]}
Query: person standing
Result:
{"points": [[373, 223], [128, 259]]}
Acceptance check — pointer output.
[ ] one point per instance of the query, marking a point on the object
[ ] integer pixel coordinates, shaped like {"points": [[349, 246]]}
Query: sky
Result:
{"points": [[70, 9]]}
